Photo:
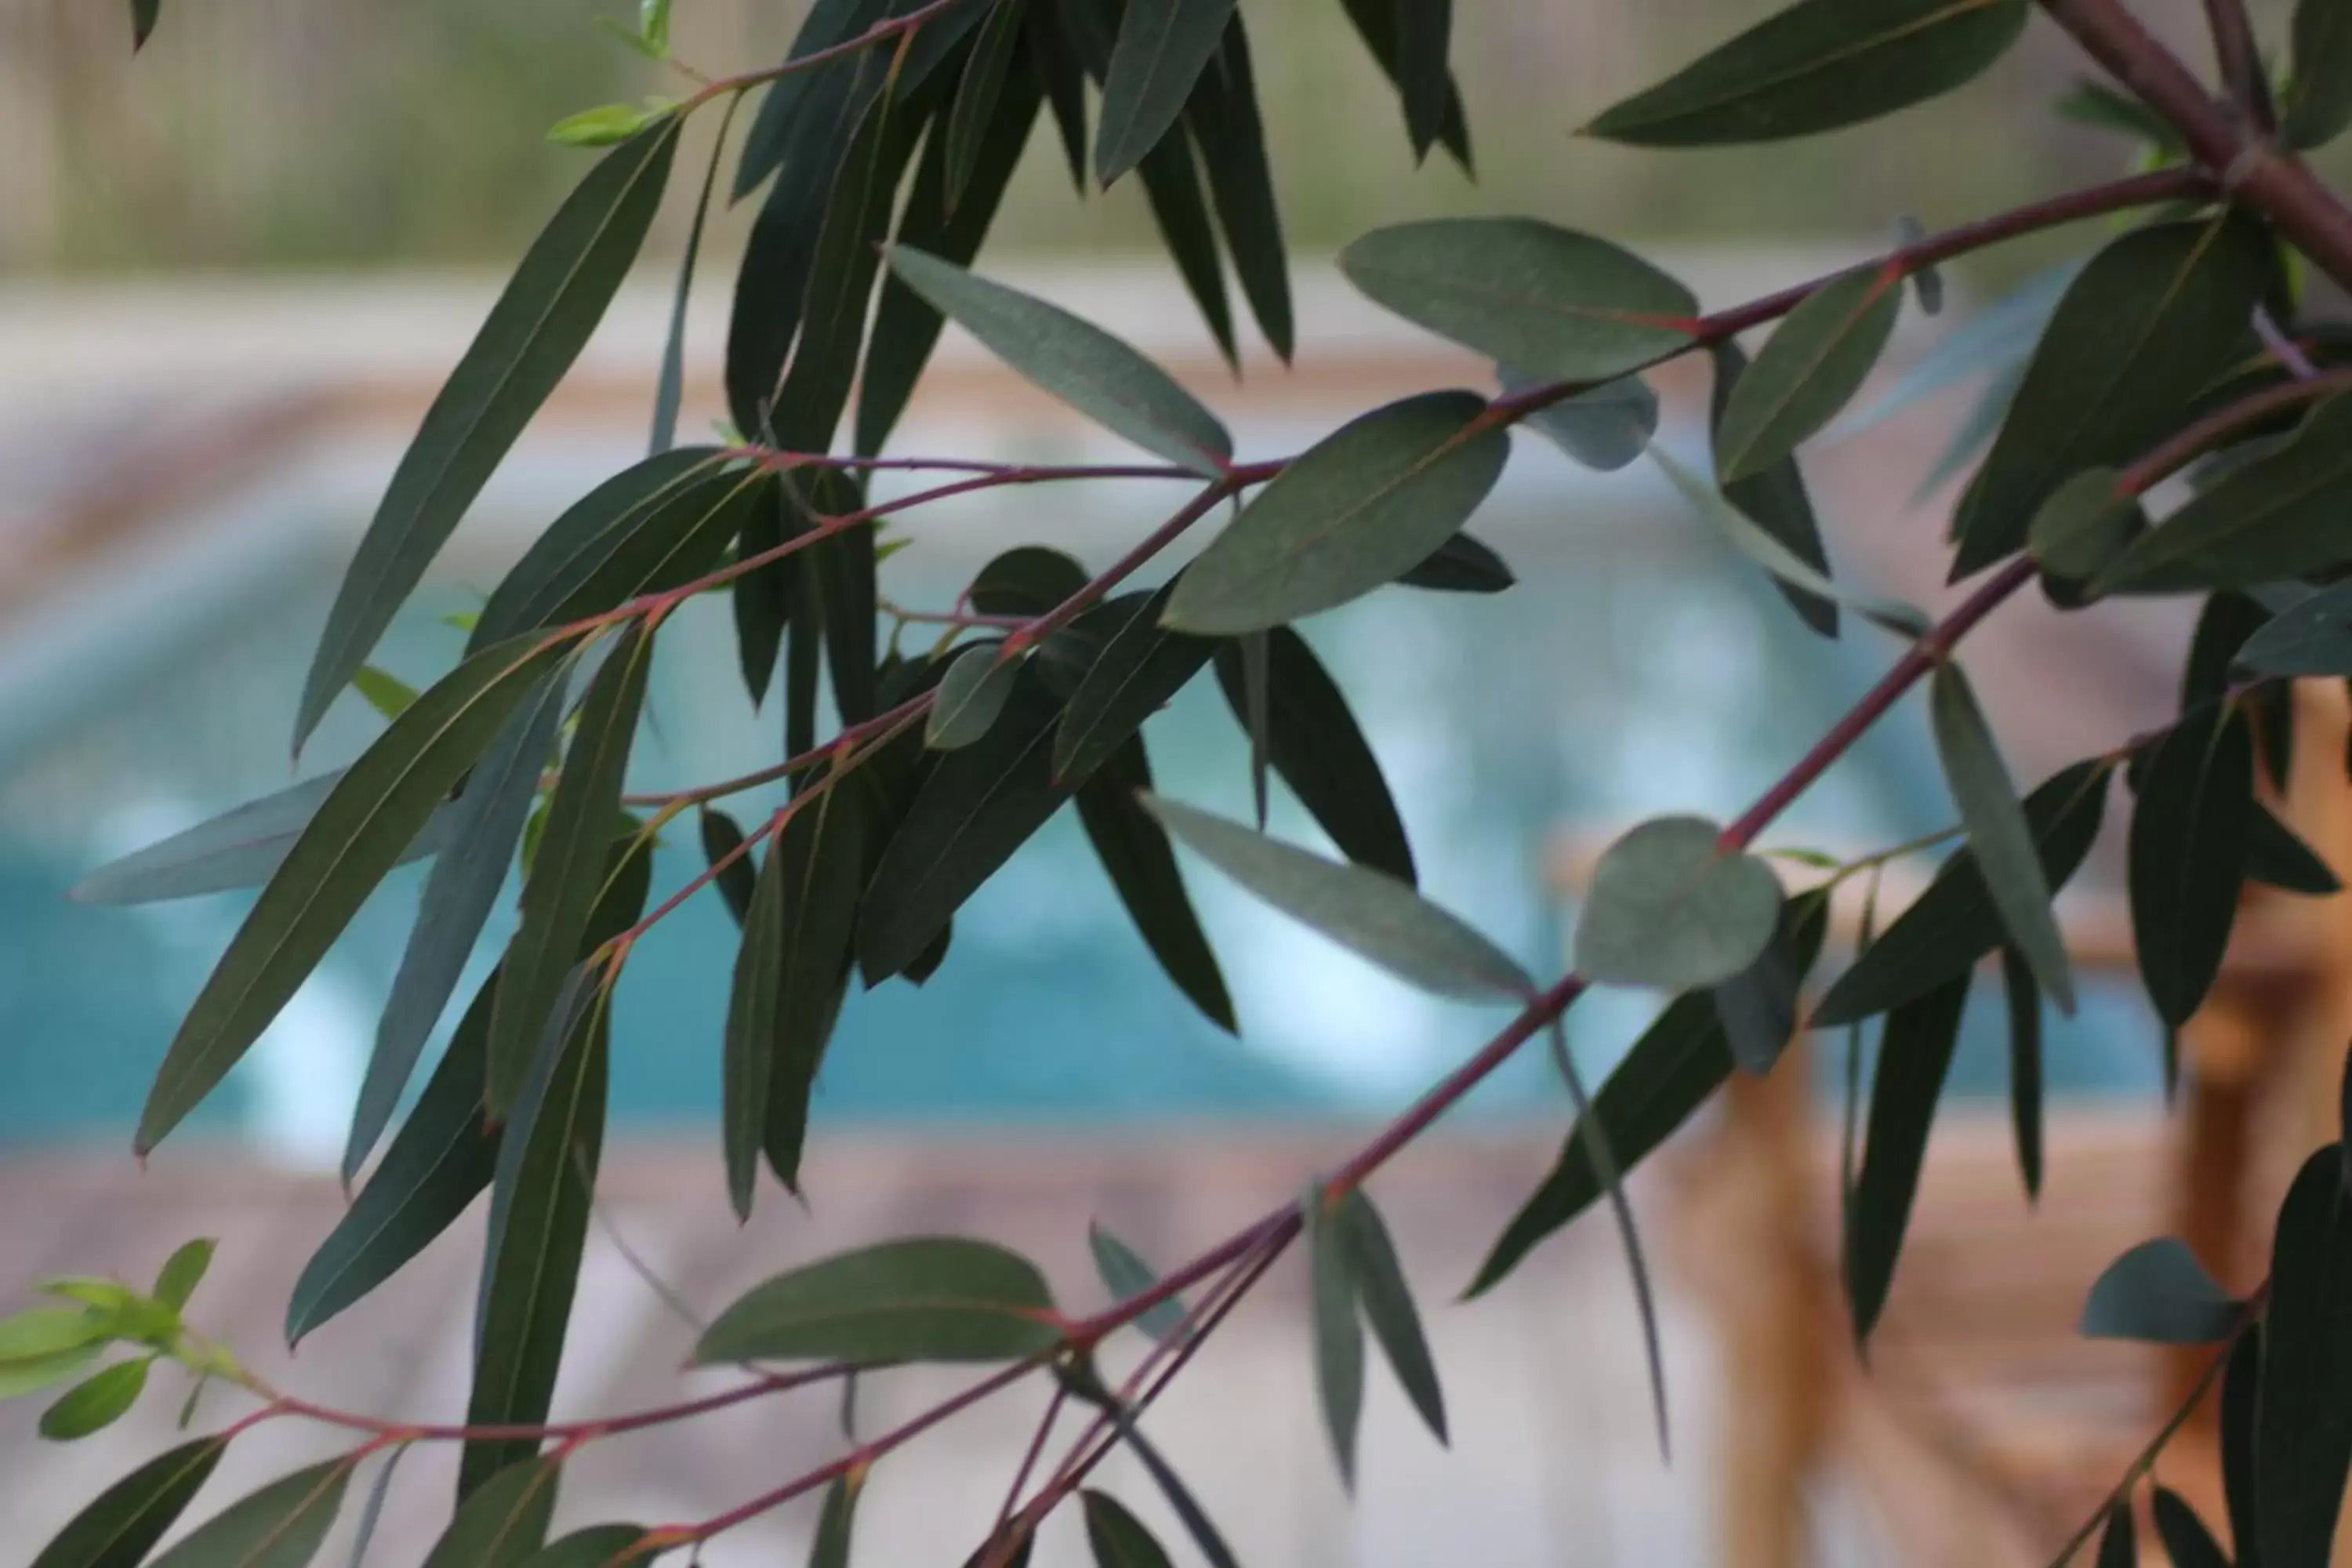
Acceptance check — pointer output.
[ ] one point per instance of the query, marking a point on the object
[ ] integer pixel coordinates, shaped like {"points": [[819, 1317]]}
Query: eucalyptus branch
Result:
{"points": [[889, 30]]}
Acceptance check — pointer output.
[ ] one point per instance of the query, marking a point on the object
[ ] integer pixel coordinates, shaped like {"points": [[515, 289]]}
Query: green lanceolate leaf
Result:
{"points": [[1461, 565], [441, 1157], [941, 1298], [669, 384], [658, 524], [2186, 1539], [538, 327], [1367, 911], [2119, 1541], [1388, 1305], [722, 837], [1356, 512], [1171, 186], [747, 1058], [2083, 526], [2312, 636], [2188, 855], [2275, 855], [1163, 48], [825, 851], [2157, 312], [1999, 834], [1135, 854], [1774, 499], [280, 1526], [541, 1195], [1313, 742], [123, 1523], [1141, 667], [570, 868], [373, 813], [458, 894], [242, 848], [1126, 1275], [2303, 1433], [976, 806], [971, 696], [598, 1546], [1116, 1537], [1223, 115], [1913, 1055], [1338, 1331], [962, 133], [2024, 1000], [1382, 24], [1811, 368], [835, 1520], [144, 14], [503, 1521], [1074, 360], [1671, 1070], [2159, 1294], [1817, 66], [96, 1402], [2241, 1393], [2319, 87], [1954, 923], [182, 1272], [1546, 301], [1669, 906], [2280, 516]]}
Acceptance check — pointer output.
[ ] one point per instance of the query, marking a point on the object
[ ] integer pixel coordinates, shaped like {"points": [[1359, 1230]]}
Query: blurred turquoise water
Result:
{"points": [[1634, 671]]}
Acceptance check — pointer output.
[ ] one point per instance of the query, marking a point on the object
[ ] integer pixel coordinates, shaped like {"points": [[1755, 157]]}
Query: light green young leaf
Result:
{"points": [[97, 1403], [1810, 368], [1545, 300], [183, 1272], [1359, 510], [971, 696], [653, 24], [1998, 831], [385, 692], [1074, 360], [1668, 906], [606, 125], [941, 1298], [1367, 911]]}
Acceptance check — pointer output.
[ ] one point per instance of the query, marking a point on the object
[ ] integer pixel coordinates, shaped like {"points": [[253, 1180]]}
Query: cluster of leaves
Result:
{"points": [[884, 144]]}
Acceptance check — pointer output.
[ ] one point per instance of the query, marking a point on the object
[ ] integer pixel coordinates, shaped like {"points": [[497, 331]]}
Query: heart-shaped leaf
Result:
{"points": [[942, 1299], [1810, 368], [2159, 1294], [1545, 300], [1668, 905]]}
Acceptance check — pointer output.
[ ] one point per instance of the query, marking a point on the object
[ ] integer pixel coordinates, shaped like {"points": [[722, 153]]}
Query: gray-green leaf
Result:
{"points": [[123, 1523], [970, 695], [2159, 1294], [925, 1299], [1669, 906], [1388, 1305], [1338, 1331], [2280, 516], [1998, 831], [280, 1526], [1808, 371], [1126, 1275], [1162, 47]]}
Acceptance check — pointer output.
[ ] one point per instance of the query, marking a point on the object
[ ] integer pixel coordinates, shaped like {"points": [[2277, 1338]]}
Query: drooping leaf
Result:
{"points": [[1357, 510], [2186, 1539], [122, 1524], [971, 696], [1388, 1305], [942, 1299], [280, 1526], [1369, 913], [541, 322], [459, 895], [242, 848], [834, 1522], [1774, 499], [95, 1402], [1383, 27], [1669, 906], [1461, 565], [1140, 667], [2024, 1000], [1171, 188], [2188, 855], [2240, 1393], [1180, 1500], [1913, 1055], [2280, 516], [746, 1056], [1163, 48], [441, 1157], [183, 1272], [1810, 368], [2312, 636], [2119, 1541], [1116, 1537], [824, 855], [2303, 1413], [802, 95], [1816, 65], [357, 834], [2159, 1294], [1995, 341], [2083, 526], [1135, 854], [1077, 362], [1954, 923], [721, 836], [1604, 429], [1758, 1007], [2318, 103], [1999, 836], [1546, 301], [1313, 742], [144, 14], [560, 895], [2276, 856], [503, 1521], [962, 133], [1338, 1331], [2157, 312], [1230, 135], [975, 807], [669, 385], [1126, 1275]]}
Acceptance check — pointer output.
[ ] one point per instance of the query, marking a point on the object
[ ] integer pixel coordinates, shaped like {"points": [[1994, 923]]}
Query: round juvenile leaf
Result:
{"points": [[1359, 510], [2084, 525], [1669, 907], [1807, 372], [2159, 1294], [123, 1523], [970, 695], [926, 1299], [98, 1402], [1546, 301]]}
